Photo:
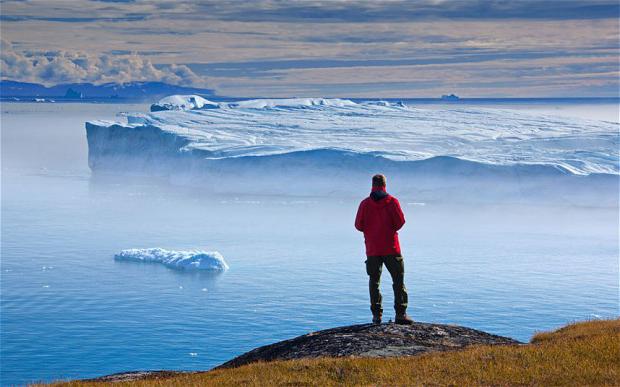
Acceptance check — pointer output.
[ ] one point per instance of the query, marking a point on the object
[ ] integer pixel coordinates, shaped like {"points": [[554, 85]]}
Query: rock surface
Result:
{"points": [[364, 340], [370, 340]]}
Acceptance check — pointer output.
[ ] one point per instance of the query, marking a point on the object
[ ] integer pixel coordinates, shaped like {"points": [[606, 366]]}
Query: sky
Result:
{"points": [[337, 48]]}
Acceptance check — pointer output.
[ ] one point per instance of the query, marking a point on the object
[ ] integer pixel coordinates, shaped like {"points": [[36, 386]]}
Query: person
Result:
{"points": [[379, 217]]}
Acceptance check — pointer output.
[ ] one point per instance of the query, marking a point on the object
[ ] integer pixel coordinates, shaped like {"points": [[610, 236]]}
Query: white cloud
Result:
{"points": [[56, 67], [281, 48]]}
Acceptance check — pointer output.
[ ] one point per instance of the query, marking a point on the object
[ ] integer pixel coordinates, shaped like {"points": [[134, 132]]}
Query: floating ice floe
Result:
{"points": [[182, 260]]}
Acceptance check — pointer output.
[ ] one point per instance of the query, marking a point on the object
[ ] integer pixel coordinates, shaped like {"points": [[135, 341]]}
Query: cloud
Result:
{"points": [[407, 10], [54, 67], [21, 18], [318, 11], [454, 56], [277, 46]]}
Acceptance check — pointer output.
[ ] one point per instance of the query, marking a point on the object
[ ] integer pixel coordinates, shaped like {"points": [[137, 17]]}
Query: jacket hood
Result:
{"points": [[378, 194]]}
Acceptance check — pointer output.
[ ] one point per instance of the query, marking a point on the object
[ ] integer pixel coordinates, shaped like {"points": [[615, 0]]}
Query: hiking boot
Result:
{"points": [[403, 319], [376, 319], [377, 313]]}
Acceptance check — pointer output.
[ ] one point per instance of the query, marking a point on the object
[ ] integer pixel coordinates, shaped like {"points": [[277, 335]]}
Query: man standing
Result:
{"points": [[380, 217]]}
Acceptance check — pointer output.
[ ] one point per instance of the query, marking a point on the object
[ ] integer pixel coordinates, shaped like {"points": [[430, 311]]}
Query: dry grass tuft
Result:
{"points": [[579, 330], [585, 353]]}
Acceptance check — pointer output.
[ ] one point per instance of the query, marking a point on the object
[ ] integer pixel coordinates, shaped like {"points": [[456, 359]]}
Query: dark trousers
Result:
{"points": [[396, 267]]}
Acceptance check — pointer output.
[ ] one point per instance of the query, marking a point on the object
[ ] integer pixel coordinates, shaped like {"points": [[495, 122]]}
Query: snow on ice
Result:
{"points": [[183, 102], [266, 127], [183, 260]]}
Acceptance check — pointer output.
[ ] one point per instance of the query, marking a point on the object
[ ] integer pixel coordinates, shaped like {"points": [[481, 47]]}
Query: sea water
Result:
{"points": [[70, 310]]}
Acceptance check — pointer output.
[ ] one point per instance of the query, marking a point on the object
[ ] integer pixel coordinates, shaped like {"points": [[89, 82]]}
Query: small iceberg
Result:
{"points": [[451, 97], [181, 260], [183, 102]]}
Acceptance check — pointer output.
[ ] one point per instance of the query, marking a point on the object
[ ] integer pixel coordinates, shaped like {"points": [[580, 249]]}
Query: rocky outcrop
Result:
{"points": [[364, 340], [370, 340]]}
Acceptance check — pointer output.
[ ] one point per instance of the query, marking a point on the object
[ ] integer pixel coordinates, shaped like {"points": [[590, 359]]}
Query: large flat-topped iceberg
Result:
{"points": [[497, 137], [181, 260], [340, 140]]}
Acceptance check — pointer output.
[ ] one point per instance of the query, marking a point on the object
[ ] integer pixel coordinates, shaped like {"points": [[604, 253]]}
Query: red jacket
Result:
{"points": [[380, 221]]}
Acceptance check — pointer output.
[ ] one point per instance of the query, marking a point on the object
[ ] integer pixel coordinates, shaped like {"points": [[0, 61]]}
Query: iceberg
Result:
{"points": [[190, 260], [322, 145], [183, 102], [291, 103]]}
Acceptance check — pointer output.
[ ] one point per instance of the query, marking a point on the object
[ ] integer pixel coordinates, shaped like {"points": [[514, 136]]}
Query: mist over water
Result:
{"points": [[69, 310]]}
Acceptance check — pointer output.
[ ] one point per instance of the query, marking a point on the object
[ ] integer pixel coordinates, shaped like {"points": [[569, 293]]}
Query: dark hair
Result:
{"points": [[378, 181]]}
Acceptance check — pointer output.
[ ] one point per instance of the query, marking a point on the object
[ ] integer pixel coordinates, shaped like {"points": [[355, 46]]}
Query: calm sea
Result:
{"points": [[68, 310]]}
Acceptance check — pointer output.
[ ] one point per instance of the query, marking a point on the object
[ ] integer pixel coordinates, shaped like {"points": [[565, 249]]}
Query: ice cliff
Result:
{"points": [[296, 140]]}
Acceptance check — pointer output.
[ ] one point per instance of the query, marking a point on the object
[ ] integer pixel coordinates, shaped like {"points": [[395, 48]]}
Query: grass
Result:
{"points": [[586, 353]]}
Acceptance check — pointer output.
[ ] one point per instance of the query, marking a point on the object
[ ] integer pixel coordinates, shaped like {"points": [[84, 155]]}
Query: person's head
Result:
{"points": [[378, 181]]}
